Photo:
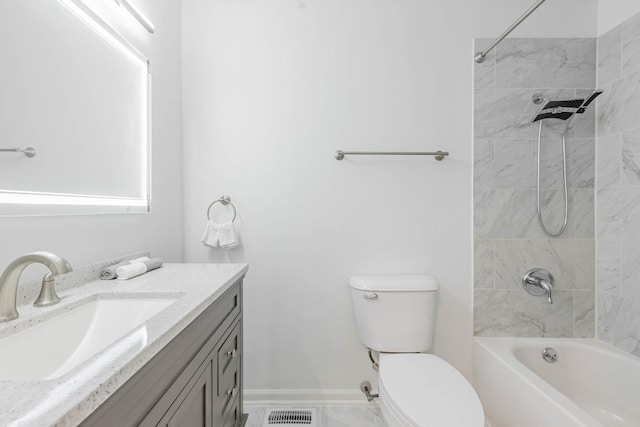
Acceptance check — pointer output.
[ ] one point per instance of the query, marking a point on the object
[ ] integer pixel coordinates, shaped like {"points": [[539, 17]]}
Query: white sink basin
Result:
{"points": [[52, 348]]}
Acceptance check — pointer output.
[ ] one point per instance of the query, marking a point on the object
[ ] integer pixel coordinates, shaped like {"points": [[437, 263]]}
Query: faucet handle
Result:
{"points": [[538, 282], [48, 295]]}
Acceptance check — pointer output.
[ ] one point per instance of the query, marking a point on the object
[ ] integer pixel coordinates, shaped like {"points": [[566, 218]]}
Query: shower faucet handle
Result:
{"points": [[538, 282]]}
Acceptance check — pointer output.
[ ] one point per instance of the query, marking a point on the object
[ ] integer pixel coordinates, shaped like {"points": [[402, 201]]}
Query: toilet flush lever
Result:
{"points": [[370, 297]]}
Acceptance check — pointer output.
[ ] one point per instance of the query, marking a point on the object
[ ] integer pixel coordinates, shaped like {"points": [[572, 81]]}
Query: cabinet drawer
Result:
{"points": [[234, 417], [229, 355], [230, 390], [227, 308]]}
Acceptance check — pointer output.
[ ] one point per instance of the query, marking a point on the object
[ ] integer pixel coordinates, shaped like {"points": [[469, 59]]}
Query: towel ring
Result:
{"points": [[225, 200]]}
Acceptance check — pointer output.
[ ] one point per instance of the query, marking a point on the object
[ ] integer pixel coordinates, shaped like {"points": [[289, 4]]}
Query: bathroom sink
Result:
{"points": [[50, 349]]}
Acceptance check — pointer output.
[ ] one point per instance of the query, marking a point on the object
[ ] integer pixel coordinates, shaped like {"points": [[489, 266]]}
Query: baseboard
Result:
{"points": [[304, 397]]}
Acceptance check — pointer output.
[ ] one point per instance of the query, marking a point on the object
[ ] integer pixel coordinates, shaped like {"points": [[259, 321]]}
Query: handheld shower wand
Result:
{"points": [[563, 110]]}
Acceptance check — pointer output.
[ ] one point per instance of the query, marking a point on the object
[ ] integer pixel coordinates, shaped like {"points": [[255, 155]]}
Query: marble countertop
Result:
{"points": [[69, 399]]}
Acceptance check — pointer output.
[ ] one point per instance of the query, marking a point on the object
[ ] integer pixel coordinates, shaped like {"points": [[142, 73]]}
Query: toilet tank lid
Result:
{"points": [[398, 283]]}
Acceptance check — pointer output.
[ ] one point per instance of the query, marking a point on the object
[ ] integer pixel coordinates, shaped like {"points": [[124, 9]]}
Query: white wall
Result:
{"points": [[271, 90], [614, 12], [90, 238]]}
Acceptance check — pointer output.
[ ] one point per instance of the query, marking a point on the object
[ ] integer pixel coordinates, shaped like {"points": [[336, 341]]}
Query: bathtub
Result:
{"points": [[592, 384]]}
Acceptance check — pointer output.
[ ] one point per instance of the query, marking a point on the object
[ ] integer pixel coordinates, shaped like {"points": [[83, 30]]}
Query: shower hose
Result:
{"points": [[564, 180]]}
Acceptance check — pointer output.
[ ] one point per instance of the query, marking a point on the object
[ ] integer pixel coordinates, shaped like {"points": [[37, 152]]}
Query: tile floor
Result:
{"points": [[327, 416]]}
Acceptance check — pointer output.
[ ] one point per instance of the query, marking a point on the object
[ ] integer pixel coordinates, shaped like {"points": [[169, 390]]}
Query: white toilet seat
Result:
{"points": [[423, 390]]}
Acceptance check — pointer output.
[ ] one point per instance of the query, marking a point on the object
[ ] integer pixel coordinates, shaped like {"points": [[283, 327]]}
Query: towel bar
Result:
{"points": [[225, 200], [29, 151], [439, 155]]}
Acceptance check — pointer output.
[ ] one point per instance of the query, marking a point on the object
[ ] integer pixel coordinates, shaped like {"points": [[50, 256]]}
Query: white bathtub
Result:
{"points": [[591, 385]]}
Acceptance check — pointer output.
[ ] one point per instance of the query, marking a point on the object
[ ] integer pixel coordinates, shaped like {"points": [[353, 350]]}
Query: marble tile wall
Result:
{"points": [[618, 187], [508, 238]]}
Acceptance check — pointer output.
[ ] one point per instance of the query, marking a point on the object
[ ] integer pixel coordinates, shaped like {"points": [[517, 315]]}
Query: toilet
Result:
{"points": [[395, 316]]}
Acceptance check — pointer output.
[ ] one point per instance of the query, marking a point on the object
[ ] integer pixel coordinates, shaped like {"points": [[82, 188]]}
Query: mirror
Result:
{"points": [[78, 93]]}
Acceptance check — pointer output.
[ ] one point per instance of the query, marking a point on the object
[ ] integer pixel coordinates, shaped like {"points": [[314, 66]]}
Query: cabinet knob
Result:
{"points": [[231, 353], [232, 392]]}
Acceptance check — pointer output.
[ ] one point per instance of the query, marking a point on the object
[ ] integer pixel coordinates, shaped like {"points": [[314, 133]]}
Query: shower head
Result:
{"points": [[589, 100], [565, 109]]}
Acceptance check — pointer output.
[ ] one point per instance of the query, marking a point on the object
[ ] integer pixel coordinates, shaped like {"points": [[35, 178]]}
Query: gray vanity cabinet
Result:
{"points": [[195, 381], [211, 393], [191, 407]]}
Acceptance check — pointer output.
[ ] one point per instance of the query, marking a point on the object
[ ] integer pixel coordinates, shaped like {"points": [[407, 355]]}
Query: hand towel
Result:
{"points": [[210, 235], [109, 273], [223, 235], [132, 270], [153, 263], [227, 235]]}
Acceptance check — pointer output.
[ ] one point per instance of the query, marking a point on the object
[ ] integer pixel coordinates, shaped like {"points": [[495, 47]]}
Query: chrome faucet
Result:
{"points": [[11, 275], [538, 282]]}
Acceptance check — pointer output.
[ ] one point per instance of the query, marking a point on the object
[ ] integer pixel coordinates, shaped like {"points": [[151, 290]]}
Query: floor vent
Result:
{"points": [[290, 417]]}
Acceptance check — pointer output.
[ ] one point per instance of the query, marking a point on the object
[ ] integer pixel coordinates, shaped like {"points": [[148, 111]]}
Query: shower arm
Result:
{"points": [[479, 58]]}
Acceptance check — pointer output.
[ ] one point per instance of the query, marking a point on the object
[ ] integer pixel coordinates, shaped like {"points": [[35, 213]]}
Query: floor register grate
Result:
{"points": [[290, 417]]}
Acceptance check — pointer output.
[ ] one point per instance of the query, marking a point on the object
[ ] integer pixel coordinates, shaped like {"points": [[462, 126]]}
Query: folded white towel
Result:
{"points": [[227, 235], [153, 263], [210, 235], [109, 272], [223, 235], [132, 270]]}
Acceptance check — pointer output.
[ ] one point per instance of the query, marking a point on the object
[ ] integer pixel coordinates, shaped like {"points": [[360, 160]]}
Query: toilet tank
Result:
{"points": [[395, 314]]}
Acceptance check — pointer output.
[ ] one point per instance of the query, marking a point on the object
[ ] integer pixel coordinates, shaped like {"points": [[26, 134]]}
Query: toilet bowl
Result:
{"points": [[395, 316], [424, 390]]}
